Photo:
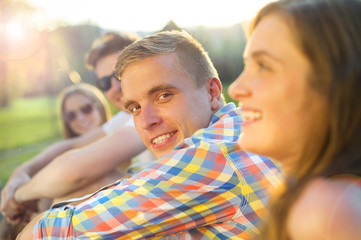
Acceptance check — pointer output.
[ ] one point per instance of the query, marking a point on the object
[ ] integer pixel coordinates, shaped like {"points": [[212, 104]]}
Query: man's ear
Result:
{"points": [[214, 87]]}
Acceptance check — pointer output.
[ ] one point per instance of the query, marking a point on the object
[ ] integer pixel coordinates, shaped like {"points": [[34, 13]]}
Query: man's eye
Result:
{"points": [[133, 109], [164, 96]]}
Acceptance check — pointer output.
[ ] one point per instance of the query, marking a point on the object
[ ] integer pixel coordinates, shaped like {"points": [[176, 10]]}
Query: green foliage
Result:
{"points": [[225, 46], [226, 96], [27, 127]]}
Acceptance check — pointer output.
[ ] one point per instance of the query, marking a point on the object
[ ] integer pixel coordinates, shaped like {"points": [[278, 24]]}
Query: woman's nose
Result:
{"points": [[238, 90]]}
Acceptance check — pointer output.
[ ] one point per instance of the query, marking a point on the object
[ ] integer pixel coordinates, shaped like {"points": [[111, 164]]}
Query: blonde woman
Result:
{"points": [[83, 108]]}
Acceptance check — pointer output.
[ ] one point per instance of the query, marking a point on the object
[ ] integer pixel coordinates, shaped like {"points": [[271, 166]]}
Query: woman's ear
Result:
{"points": [[215, 93]]}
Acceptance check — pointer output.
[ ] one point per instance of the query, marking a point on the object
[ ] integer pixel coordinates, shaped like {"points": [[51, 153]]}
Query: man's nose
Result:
{"points": [[149, 116]]}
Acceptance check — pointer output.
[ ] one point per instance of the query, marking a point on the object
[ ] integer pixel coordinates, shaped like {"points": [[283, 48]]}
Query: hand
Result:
{"points": [[16, 213], [12, 210]]}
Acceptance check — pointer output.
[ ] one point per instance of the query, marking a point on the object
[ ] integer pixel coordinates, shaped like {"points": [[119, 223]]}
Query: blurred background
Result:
{"points": [[43, 45]]}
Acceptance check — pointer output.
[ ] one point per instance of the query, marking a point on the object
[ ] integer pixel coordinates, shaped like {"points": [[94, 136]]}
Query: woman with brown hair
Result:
{"points": [[300, 97]]}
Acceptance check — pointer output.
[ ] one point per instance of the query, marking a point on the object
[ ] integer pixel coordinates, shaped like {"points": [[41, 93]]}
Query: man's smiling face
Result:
{"points": [[166, 104]]}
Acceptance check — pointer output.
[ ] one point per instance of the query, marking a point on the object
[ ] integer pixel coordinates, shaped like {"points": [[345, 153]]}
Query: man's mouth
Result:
{"points": [[162, 138]]}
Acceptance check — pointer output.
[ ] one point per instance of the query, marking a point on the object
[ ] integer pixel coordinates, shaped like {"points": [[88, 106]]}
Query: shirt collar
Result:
{"points": [[221, 112]]}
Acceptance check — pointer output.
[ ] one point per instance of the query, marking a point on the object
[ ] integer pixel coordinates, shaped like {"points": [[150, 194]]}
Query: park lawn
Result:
{"points": [[27, 127]]}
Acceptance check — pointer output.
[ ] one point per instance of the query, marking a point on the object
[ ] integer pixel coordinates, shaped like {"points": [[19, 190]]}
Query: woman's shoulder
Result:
{"points": [[328, 208]]}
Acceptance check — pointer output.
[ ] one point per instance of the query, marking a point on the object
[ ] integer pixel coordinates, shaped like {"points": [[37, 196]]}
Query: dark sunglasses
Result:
{"points": [[72, 115], [105, 83]]}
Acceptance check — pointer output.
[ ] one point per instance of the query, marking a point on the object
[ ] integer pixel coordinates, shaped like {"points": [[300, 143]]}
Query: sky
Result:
{"points": [[147, 15]]}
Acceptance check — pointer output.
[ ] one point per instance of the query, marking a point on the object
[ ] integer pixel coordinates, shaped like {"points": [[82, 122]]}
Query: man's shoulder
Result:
{"points": [[225, 126]]}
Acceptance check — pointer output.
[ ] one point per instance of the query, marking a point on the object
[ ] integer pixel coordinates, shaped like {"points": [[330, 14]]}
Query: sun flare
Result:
{"points": [[14, 30], [153, 15]]}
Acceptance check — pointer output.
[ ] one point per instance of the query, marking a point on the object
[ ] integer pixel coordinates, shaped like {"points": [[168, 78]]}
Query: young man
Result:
{"points": [[203, 186], [86, 169]]}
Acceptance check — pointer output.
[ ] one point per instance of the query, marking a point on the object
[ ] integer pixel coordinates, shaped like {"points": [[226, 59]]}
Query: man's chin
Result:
{"points": [[160, 154]]}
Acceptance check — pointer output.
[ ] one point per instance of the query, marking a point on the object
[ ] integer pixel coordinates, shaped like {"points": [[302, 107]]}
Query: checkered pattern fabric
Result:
{"points": [[207, 188]]}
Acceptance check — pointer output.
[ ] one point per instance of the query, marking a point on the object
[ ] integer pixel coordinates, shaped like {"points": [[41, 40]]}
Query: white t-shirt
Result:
{"points": [[118, 121]]}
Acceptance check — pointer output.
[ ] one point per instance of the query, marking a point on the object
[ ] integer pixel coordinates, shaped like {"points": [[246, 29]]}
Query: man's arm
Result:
{"points": [[26, 171], [172, 196], [78, 168]]}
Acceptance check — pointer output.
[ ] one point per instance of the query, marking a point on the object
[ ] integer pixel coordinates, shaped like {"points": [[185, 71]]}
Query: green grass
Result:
{"points": [[27, 127]]}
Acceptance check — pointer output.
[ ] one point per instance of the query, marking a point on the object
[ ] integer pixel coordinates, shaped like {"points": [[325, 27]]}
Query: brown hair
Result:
{"points": [[92, 93], [192, 58], [107, 44], [328, 33]]}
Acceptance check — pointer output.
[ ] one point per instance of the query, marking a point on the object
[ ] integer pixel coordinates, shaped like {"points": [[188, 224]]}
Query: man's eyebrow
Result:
{"points": [[160, 88], [152, 91]]}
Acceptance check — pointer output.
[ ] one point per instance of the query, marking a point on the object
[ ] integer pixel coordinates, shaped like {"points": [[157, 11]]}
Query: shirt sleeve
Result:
{"points": [[191, 187]]}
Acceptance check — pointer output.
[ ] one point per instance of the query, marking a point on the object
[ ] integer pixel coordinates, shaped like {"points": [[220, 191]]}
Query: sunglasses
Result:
{"points": [[105, 83], [72, 115]]}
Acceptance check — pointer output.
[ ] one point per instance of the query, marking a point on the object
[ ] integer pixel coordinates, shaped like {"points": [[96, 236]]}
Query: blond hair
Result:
{"points": [[192, 59], [93, 94]]}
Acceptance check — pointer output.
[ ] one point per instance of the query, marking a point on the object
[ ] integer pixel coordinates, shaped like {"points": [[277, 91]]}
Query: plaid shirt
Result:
{"points": [[206, 188]]}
